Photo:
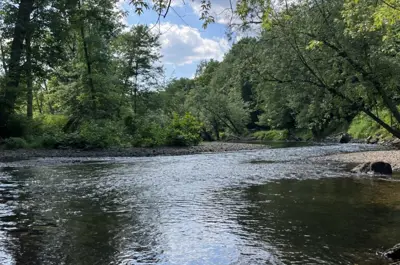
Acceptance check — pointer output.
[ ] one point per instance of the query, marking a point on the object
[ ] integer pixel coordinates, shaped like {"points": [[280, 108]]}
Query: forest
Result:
{"points": [[73, 76]]}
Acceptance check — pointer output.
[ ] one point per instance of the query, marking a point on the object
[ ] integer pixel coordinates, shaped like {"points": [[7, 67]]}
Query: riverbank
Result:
{"points": [[206, 147], [389, 156]]}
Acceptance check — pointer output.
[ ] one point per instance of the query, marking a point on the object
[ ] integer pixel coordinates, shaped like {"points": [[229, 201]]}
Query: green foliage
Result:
{"points": [[15, 143], [49, 125], [102, 134], [184, 130], [49, 141], [21, 126], [272, 135], [91, 135], [363, 127], [314, 67], [147, 130], [52, 123]]}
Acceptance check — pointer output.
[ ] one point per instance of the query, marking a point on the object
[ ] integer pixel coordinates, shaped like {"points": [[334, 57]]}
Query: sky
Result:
{"points": [[184, 43]]}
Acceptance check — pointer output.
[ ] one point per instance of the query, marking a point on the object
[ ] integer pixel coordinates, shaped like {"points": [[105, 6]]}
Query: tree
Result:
{"points": [[11, 89], [308, 46], [137, 55]]}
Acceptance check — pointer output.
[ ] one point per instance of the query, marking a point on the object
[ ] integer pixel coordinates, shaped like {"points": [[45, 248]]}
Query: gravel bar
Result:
{"points": [[207, 147]]}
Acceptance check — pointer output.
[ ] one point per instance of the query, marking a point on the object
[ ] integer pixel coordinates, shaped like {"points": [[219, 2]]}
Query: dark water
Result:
{"points": [[259, 207]]}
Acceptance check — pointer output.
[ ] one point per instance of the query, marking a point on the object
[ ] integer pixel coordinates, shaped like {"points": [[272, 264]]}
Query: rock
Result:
{"points": [[374, 141], [374, 168], [396, 143], [381, 168], [362, 168], [393, 253], [345, 138]]}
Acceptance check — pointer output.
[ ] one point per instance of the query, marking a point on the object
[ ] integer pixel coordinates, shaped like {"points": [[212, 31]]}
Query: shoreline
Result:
{"points": [[205, 147], [389, 156]]}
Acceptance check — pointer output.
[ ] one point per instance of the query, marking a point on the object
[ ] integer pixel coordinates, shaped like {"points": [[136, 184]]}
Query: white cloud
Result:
{"points": [[224, 13], [221, 10], [224, 10], [184, 45], [120, 7]]}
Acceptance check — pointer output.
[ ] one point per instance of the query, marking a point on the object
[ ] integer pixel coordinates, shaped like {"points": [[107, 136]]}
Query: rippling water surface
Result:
{"points": [[258, 207]]}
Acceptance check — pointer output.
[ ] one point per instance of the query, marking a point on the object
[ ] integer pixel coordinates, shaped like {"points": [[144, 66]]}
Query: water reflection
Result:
{"points": [[201, 209], [334, 221], [62, 216]]}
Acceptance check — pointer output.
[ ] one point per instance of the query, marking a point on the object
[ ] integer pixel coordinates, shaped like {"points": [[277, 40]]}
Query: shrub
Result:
{"points": [[103, 134], [72, 140], [184, 131], [15, 143], [20, 126], [52, 124], [49, 141], [148, 130]]}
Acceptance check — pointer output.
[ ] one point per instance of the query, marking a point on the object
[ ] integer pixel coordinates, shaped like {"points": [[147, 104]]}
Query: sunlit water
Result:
{"points": [[256, 207]]}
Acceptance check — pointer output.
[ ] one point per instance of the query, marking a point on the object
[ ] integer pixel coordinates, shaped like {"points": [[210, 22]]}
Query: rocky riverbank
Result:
{"points": [[389, 156], [207, 147]]}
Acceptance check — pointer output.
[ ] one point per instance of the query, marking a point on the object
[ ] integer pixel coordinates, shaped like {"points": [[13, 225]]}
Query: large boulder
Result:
{"points": [[393, 253], [345, 138], [378, 167]]}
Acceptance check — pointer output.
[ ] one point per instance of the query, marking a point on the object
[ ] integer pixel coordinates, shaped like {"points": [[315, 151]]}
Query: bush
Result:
{"points": [[272, 135], [50, 141], [52, 124], [102, 134], [73, 140], [148, 130], [91, 135], [184, 131], [15, 143], [20, 126]]}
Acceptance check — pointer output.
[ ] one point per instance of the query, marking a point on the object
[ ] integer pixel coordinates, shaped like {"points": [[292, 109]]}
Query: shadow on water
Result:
{"points": [[327, 221]]}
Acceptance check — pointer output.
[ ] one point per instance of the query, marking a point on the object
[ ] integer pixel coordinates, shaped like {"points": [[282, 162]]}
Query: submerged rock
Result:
{"points": [[393, 253], [378, 167]]}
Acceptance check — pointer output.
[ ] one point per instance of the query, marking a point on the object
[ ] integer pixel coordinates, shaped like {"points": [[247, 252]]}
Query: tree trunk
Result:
{"points": [[88, 65], [49, 102], [216, 129], [39, 103], [3, 57], [8, 98], [28, 71], [136, 89], [387, 127]]}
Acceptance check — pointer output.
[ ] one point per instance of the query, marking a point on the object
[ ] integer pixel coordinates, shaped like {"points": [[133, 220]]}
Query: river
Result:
{"points": [[270, 206]]}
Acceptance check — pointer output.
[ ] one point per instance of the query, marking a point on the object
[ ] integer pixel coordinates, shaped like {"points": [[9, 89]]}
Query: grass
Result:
{"points": [[362, 126]]}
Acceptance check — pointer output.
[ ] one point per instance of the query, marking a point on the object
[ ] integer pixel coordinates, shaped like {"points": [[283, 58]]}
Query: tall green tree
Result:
{"points": [[11, 90], [139, 68], [308, 46]]}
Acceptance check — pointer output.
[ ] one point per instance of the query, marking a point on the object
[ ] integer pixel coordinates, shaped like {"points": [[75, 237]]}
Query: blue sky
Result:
{"points": [[184, 42]]}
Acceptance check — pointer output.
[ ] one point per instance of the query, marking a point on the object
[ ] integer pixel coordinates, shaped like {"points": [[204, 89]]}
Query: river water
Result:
{"points": [[272, 206]]}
